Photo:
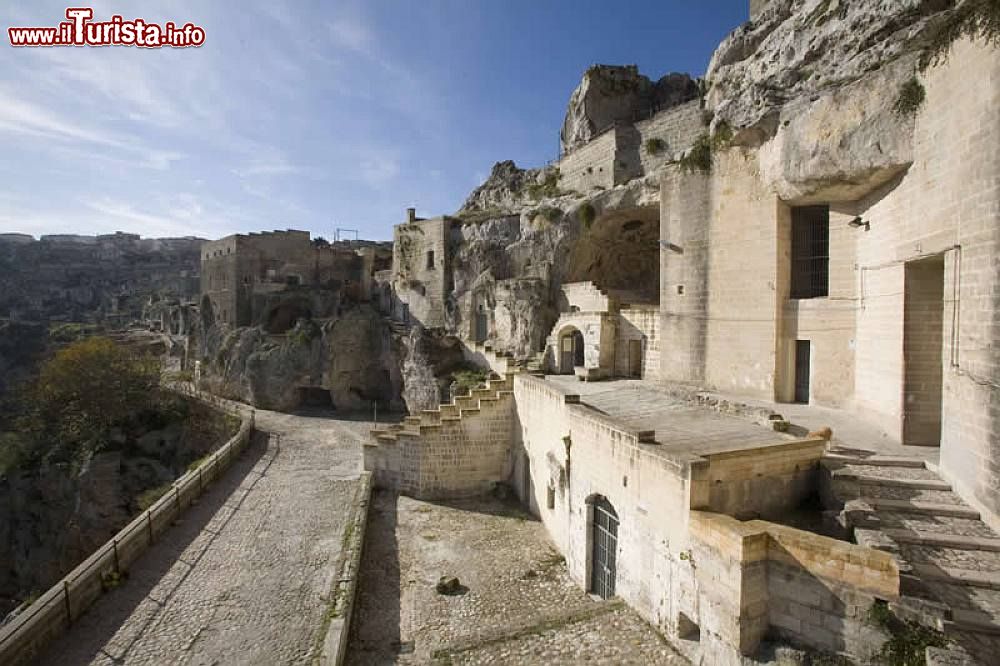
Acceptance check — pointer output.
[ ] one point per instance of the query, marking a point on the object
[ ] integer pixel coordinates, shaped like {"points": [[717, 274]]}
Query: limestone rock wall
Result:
{"points": [[796, 49]]}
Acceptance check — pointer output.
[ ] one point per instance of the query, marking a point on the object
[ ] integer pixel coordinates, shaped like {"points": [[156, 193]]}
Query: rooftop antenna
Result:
{"points": [[337, 234]]}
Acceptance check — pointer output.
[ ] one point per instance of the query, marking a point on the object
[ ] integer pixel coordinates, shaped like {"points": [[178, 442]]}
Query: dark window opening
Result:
{"points": [[810, 252], [430, 259]]}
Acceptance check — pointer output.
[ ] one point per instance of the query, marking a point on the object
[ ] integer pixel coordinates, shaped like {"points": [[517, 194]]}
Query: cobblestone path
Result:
{"points": [[518, 605], [244, 577]]}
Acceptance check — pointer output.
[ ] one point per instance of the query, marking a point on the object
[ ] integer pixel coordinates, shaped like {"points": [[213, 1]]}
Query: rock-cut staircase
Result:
{"points": [[949, 558]]}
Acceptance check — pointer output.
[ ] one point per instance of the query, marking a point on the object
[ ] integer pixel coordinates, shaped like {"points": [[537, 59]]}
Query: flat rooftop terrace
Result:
{"points": [[681, 429], [684, 427]]}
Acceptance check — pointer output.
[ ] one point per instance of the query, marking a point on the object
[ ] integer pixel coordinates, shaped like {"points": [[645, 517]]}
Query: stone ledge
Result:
{"points": [[943, 540], [926, 508], [967, 577]]}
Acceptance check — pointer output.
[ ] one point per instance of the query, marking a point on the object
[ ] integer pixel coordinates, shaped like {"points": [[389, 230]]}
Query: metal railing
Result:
{"points": [[22, 637]]}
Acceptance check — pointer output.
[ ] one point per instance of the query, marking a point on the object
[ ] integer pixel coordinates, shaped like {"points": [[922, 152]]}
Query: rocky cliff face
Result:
{"points": [[797, 49], [814, 83], [83, 278], [352, 358], [612, 93]]}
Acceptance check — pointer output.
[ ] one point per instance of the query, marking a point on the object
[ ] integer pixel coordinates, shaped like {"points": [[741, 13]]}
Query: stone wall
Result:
{"points": [[948, 198], [621, 152], [757, 578], [642, 324], [827, 323], [677, 128], [590, 166], [719, 270], [685, 209], [757, 482], [599, 332]]}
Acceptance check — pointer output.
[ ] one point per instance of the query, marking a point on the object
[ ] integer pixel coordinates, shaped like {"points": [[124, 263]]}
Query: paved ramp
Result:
{"points": [[244, 577]]}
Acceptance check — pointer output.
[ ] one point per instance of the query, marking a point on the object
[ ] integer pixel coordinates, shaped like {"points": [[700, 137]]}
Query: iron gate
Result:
{"points": [[605, 536]]}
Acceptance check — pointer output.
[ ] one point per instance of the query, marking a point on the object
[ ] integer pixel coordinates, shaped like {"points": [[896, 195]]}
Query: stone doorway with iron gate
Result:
{"points": [[604, 548]]}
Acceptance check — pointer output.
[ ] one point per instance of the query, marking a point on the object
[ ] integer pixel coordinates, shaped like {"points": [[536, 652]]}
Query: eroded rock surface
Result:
{"points": [[351, 358]]}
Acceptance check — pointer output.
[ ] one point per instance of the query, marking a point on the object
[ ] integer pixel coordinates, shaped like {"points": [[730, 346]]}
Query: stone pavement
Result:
{"points": [[244, 577], [517, 606]]}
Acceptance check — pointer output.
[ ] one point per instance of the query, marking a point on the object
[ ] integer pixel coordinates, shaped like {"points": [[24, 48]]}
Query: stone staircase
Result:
{"points": [[949, 559], [464, 406], [396, 326]]}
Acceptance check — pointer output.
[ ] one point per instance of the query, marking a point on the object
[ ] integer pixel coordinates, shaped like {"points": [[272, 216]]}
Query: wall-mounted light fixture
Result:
{"points": [[858, 222]]}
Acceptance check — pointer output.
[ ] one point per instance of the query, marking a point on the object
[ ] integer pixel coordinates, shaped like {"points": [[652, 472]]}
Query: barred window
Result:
{"points": [[810, 252]]}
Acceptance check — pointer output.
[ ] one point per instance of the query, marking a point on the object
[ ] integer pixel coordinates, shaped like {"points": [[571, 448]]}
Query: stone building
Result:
{"points": [[274, 278], [421, 269], [873, 295]]}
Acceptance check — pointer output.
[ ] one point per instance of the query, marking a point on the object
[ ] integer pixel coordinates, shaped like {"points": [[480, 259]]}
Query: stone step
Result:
{"points": [[878, 492], [914, 484], [926, 508], [974, 621], [882, 461], [953, 576], [934, 539], [938, 524]]}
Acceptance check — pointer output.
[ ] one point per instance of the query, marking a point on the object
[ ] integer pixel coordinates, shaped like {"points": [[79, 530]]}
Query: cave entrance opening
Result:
{"points": [[283, 317], [315, 397], [620, 253]]}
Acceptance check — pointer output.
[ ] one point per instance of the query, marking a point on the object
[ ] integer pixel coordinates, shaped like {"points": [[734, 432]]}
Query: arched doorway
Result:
{"points": [[604, 547], [570, 350]]}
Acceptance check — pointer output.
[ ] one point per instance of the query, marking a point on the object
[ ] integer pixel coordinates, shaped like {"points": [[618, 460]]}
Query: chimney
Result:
{"points": [[411, 214]]}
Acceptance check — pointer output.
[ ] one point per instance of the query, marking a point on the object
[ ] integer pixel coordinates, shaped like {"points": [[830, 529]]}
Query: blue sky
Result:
{"points": [[308, 114]]}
